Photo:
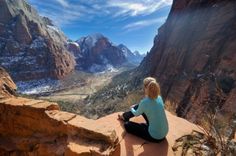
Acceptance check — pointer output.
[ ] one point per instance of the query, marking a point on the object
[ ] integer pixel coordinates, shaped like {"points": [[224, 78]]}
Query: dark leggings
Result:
{"points": [[138, 129]]}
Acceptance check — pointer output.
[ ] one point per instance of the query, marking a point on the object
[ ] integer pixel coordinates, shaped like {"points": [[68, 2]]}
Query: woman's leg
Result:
{"points": [[140, 130], [127, 115]]}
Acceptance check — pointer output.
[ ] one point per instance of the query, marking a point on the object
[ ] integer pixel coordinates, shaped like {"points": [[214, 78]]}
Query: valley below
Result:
{"points": [[73, 92], [89, 85]]}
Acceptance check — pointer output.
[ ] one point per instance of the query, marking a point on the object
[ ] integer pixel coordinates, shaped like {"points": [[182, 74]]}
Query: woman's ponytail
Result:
{"points": [[153, 90]]}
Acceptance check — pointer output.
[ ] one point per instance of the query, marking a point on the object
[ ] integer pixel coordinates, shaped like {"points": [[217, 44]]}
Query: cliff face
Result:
{"points": [[193, 56], [30, 46]]}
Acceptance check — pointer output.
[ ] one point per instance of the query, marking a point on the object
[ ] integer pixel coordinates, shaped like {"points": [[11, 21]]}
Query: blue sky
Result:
{"points": [[131, 22]]}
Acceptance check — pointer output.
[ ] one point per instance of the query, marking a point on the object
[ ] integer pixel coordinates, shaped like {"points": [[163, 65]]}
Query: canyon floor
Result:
{"points": [[91, 83], [79, 86]]}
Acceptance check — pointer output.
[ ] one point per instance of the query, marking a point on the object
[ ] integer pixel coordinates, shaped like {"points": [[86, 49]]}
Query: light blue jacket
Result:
{"points": [[155, 112]]}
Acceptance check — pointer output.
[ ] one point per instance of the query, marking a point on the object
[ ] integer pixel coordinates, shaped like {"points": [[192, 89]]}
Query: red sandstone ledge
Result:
{"points": [[39, 128]]}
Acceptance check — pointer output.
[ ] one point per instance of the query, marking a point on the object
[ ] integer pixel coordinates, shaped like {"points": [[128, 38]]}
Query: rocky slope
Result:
{"points": [[193, 57], [31, 47]]}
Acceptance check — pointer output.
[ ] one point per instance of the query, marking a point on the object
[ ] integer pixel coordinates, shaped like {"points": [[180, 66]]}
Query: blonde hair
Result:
{"points": [[153, 88], [147, 80]]}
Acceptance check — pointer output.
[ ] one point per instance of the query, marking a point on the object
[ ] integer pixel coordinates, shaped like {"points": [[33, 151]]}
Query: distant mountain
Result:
{"points": [[31, 47], [95, 53], [132, 57]]}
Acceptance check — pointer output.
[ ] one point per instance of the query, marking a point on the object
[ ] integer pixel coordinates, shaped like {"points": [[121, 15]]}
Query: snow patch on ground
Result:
{"points": [[53, 28], [74, 43], [96, 68], [38, 43], [9, 60], [37, 86]]}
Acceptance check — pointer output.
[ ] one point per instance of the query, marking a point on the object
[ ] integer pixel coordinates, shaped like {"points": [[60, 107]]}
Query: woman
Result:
{"points": [[152, 108]]}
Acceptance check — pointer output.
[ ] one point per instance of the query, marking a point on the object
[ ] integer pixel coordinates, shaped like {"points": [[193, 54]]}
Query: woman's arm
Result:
{"points": [[139, 110]]}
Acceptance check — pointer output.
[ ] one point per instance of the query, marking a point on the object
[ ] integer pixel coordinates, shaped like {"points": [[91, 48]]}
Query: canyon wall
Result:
{"points": [[194, 58]]}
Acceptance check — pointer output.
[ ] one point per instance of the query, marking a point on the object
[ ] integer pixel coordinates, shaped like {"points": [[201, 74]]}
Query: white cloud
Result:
{"points": [[143, 23], [137, 7], [64, 3], [132, 8]]}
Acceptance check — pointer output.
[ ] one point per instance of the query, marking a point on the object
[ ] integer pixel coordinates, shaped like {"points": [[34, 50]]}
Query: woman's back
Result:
{"points": [[154, 110]]}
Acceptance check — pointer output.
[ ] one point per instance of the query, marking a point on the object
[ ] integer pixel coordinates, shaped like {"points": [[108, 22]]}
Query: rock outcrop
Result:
{"points": [[35, 127], [193, 57], [31, 47], [7, 86]]}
